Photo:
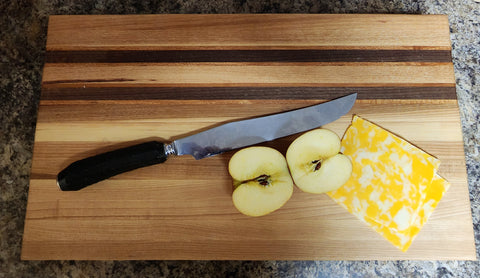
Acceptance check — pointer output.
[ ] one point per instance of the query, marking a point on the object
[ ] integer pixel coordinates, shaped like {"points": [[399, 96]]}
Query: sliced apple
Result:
{"points": [[261, 180], [315, 162]]}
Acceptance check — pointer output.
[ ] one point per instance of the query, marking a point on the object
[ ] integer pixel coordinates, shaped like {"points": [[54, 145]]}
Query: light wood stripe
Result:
{"points": [[170, 130], [234, 74], [64, 112], [123, 129], [159, 201], [266, 31], [55, 156], [110, 228]]}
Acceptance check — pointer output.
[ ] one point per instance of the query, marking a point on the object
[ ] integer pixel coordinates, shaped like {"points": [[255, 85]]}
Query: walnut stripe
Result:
{"points": [[305, 55], [239, 93]]}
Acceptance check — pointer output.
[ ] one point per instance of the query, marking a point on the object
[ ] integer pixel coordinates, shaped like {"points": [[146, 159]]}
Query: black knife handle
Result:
{"points": [[96, 168]]}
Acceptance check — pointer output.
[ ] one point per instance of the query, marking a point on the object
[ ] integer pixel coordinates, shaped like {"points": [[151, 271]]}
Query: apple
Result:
{"points": [[315, 161], [261, 180]]}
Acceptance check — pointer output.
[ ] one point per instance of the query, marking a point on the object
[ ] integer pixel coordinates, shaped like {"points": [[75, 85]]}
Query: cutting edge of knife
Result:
{"points": [[172, 148]]}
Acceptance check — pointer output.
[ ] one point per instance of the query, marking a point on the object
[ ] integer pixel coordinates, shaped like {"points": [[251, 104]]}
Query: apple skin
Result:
{"points": [[315, 162], [261, 180]]}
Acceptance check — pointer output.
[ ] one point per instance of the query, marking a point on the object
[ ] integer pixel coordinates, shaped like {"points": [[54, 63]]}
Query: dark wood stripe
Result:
{"points": [[211, 93], [140, 56]]}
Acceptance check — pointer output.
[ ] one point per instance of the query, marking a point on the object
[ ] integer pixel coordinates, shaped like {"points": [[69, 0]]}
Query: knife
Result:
{"points": [[211, 142]]}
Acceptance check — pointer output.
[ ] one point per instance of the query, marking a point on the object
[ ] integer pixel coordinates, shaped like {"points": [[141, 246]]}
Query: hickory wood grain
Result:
{"points": [[170, 120], [248, 32], [246, 74], [185, 199], [146, 236], [123, 80]]}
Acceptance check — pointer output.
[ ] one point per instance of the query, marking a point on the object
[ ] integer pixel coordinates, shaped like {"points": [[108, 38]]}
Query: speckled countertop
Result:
{"points": [[22, 47]]}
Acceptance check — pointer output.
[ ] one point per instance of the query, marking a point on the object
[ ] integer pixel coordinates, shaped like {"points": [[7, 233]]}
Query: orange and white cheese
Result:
{"points": [[394, 186]]}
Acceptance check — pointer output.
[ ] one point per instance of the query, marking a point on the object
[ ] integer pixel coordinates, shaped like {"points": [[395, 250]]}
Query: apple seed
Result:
{"points": [[262, 180], [318, 164]]}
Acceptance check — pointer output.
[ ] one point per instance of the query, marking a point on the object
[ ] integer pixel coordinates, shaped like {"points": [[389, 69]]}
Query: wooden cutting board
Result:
{"points": [[113, 81]]}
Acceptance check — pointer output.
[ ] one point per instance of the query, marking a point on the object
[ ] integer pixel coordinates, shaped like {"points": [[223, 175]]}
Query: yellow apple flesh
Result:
{"points": [[315, 163], [262, 182]]}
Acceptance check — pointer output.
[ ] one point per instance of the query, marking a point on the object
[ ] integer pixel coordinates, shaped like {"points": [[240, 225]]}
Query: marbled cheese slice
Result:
{"points": [[394, 186]]}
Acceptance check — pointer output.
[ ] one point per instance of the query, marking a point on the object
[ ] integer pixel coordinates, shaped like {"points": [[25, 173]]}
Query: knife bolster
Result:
{"points": [[170, 149]]}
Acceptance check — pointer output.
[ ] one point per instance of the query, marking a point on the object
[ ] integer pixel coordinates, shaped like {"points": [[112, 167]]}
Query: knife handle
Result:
{"points": [[96, 168]]}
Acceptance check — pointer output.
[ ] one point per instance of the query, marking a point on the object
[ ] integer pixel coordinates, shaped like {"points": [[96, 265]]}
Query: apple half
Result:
{"points": [[315, 162], [261, 180]]}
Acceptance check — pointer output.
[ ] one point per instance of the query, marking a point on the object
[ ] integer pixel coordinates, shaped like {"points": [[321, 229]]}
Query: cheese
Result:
{"points": [[394, 186]]}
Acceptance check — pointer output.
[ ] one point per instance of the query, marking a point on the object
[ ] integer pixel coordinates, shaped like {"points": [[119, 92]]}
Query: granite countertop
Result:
{"points": [[22, 49]]}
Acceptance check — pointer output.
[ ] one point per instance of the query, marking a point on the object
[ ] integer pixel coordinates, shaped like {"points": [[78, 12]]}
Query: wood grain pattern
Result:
{"points": [[79, 92], [280, 32], [246, 74], [298, 55], [123, 80]]}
